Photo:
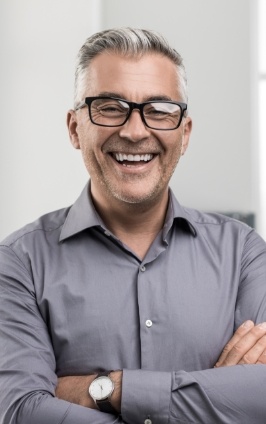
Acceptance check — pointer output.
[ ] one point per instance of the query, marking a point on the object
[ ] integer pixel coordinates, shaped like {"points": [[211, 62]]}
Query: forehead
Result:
{"points": [[133, 78]]}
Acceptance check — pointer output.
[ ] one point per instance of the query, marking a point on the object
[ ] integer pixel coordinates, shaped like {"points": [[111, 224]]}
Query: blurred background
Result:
{"points": [[223, 43]]}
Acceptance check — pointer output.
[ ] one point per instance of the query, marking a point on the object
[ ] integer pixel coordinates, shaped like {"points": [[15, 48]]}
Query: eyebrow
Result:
{"points": [[146, 99]]}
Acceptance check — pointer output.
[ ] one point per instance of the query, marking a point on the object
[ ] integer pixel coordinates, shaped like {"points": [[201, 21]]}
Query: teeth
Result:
{"points": [[120, 157]]}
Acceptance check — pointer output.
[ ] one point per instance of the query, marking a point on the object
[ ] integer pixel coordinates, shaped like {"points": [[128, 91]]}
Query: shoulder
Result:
{"points": [[212, 219], [46, 224], [227, 232]]}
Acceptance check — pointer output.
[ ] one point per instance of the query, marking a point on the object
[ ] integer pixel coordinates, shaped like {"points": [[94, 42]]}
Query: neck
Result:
{"points": [[136, 225]]}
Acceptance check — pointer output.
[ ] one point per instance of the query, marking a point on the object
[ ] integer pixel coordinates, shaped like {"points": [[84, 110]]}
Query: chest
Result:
{"points": [[170, 312]]}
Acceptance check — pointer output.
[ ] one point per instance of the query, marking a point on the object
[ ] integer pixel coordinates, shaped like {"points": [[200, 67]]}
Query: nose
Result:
{"points": [[134, 129]]}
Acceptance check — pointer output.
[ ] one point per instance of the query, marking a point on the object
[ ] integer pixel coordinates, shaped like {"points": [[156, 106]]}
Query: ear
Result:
{"points": [[186, 134], [72, 125]]}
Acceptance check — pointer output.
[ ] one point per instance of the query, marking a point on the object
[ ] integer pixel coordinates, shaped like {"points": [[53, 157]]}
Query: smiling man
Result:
{"points": [[131, 149], [127, 307]]}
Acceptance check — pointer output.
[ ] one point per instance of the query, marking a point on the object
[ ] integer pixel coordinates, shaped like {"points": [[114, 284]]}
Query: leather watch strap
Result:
{"points": [[106, 406]]}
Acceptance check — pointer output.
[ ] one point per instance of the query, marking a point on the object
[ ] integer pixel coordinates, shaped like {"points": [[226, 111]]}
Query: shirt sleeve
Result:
{"points": [[221, 396], [27, 362], [224, 395]]}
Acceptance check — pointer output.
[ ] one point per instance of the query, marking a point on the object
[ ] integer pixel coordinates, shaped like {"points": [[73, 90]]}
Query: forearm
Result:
{"points": [[247, 346], [27, 361], [45, 409], [75, 390], [221, 396]]}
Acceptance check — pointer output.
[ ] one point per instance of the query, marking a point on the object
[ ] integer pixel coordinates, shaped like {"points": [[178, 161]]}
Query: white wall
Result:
{"points": [[215, 39], [39, 41], [40, 171]]}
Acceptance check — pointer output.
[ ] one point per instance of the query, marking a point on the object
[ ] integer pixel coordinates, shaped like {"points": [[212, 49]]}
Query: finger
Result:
{"points": [[246, 343], [256, 354], [240, 332], [262, 358]]}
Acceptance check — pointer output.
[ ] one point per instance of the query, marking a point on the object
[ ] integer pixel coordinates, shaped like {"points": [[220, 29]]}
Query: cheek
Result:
{"points": [[174, 152], [173, 146], [87, 141], [91, 150]]}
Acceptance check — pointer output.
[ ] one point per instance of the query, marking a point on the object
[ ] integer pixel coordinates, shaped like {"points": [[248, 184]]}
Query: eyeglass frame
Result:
{"points": [[132, 105]]}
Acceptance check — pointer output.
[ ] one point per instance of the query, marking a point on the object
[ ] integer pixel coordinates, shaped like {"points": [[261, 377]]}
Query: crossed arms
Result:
{"points": [[209, 396], [233, 391], [246, 347]]}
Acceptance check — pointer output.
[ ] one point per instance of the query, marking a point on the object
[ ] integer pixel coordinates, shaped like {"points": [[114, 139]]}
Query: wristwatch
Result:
{"points": [[101, 389]]}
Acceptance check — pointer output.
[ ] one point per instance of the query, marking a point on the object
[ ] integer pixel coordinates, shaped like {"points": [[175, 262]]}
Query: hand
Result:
{"points": [[247, 346], [74, 389]]}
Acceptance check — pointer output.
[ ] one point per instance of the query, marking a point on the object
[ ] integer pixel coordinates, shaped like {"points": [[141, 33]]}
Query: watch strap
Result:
{"points": [[106, 406]]}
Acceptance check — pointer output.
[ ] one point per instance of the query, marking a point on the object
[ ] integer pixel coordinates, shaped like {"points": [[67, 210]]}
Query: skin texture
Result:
{"points": [[130, 197], [132, 200], [74, 389], [247, 346], [135, 80]]}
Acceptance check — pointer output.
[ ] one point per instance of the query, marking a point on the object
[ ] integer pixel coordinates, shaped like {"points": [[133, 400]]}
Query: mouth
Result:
{"points": [[132, 160]]}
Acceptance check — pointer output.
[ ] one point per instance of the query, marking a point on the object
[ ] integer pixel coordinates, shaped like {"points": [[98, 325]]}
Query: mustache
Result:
{"points": [[133, 147]]}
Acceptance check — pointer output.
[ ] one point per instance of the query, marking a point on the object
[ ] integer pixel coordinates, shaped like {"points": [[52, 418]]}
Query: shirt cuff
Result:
{"points": [[146, 396]]}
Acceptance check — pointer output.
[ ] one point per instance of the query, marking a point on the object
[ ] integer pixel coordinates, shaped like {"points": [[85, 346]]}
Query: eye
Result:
{"points": [[156, 111], [111, 108], [162, 110]]}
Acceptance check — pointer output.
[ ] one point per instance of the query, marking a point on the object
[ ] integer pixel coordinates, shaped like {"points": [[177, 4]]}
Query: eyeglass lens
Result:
{"points": [[158, 115]]}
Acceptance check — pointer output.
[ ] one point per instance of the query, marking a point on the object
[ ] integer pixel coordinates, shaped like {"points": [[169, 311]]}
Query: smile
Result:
{"points": [[121, 157]]}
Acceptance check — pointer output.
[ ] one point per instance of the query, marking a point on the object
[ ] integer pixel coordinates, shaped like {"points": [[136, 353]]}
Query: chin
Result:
{"points": [[139, 198]]}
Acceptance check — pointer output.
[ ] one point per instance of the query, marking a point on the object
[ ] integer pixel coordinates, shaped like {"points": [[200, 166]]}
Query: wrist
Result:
{"points": [[115, 400], [74, 389], [105, 391]]}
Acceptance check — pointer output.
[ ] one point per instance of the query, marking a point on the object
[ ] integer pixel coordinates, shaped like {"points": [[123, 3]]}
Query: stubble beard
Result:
{"points": [[142, 201]]}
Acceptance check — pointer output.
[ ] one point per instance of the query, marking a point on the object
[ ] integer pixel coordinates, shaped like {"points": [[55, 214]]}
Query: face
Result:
{"points": [[143, 174]]}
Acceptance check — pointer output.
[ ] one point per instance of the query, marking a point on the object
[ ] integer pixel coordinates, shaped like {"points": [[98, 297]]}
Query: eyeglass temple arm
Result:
{"points": [[80, 105]]}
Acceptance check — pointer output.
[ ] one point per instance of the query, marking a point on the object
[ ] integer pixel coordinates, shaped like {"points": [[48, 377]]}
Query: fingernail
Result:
{"points": [[247, 324], [262, 325]]}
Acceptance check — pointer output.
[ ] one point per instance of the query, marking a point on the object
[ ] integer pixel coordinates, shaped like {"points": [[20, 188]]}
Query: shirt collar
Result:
{"points": [[177, 214], [82, 215]]}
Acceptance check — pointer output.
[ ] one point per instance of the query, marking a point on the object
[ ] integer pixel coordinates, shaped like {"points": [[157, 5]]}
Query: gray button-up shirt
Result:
{"points": [[76, 300]]}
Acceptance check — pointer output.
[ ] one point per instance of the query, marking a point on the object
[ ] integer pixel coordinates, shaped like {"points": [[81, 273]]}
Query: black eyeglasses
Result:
{"points": [[114, 112]]}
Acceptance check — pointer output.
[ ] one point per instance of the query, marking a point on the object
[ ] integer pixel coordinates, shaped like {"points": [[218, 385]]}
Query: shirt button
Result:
{"points": [[148, 421], [143, 268], [148, 323]]}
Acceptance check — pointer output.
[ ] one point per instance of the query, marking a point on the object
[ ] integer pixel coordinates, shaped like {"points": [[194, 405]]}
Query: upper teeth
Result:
{"points": [[133, 158]]}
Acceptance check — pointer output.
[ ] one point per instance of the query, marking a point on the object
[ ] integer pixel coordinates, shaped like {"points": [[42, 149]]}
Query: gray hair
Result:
{"points": [[129, 42]]}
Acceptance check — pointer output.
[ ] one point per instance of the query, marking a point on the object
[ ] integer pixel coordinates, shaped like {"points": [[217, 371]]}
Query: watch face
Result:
{"points": [[101, 388]]}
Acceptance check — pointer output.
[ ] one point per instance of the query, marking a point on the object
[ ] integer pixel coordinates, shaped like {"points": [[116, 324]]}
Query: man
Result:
{"points": [[118, 308]]}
